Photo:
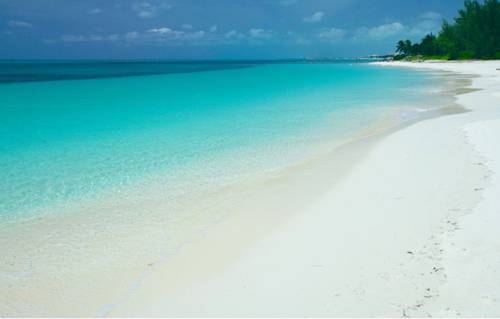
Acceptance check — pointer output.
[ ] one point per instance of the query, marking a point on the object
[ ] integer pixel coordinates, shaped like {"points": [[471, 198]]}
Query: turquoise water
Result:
{"points": [[109, 128]]}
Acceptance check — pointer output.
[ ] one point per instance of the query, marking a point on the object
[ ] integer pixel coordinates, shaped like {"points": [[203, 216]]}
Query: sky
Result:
{"points": [[213, 29]]}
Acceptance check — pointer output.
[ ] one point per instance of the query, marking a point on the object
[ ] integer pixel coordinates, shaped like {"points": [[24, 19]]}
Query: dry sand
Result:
{"points": [[410, 230]]}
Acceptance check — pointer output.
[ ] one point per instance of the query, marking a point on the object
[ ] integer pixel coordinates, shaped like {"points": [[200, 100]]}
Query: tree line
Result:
{"points": [[474, 34]]}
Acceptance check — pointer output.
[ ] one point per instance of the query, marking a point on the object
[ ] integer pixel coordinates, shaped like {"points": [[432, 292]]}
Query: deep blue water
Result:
{"points": [[29, 71]]}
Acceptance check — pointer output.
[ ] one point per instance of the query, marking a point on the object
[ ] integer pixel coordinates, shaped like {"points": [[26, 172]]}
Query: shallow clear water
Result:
{"points": [[109, 129]]}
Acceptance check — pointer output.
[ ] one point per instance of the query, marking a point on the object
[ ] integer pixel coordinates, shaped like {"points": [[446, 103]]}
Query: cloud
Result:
{"points": [[147, 10], [95, 11], [252, 36], [233, 34], [187, 26], [196, 35], [132, 35], [431, 15], [424, 27], [259, 33], [379, 32], [155, 35], [19, 24], [295, 38], [315, 17], [87, 38], [162, 30], [331, 35], [166, 32], [163, 35], [429, 22]]}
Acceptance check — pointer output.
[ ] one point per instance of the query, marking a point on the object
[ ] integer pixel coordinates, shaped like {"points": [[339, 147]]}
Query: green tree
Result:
{"points": [[447, 41], [404, 47], [429, 46], [474, 33]]}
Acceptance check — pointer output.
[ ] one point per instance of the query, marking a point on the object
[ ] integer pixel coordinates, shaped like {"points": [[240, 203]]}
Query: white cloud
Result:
{"points": [[187, 26], [331, 35], [95, 11], [131, 36], [259, 33], [163, 30], [431, 16], [113, 37], [167, 32], [163, 35], [155, 35], [19, 24], [87, 38], [233, 34], [429, 22], [196, 35], [380, 32], [147, 10], [252, 36], [315, 17], [146, 14]]}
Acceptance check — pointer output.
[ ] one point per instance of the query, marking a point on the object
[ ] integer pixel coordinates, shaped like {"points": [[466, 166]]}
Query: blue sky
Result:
{"points": [[213, 29]]}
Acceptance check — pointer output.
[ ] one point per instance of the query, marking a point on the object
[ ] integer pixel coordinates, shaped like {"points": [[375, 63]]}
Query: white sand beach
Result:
{"points": [[408, 229], [250, 159], [398, 223]]}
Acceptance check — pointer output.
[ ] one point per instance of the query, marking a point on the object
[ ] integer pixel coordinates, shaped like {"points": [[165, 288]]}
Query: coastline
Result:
{"points": [[471, 252], [396, 236], [286, 253]]}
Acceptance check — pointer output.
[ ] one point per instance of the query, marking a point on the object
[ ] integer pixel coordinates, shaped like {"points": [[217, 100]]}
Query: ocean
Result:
{"points": [[108, 169], [79, 131]]}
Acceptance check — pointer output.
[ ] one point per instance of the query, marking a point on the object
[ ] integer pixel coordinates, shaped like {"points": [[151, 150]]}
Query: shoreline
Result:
{"points": [[323, 138], [234, 250], [396, 263], [282, 184]]}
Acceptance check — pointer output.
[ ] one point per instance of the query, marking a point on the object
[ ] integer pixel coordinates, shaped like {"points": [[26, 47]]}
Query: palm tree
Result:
{"points": [[404, 47], [401, 48], [409, 47]]}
